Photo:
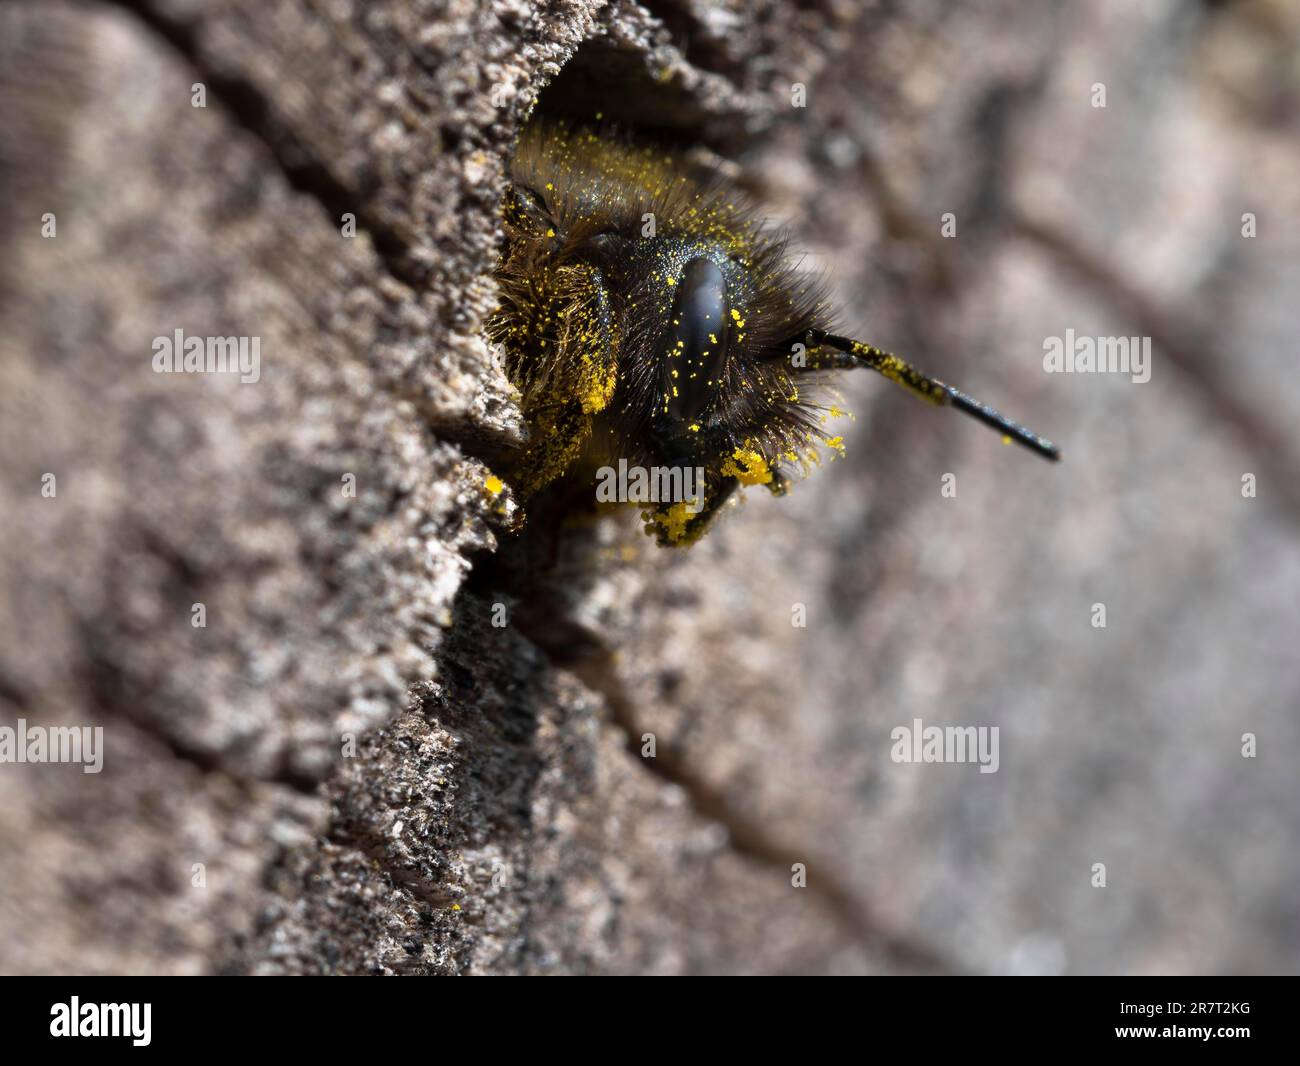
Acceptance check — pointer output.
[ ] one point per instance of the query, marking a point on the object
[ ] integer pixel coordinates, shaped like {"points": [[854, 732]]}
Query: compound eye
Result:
{"points": [[695, 352]]}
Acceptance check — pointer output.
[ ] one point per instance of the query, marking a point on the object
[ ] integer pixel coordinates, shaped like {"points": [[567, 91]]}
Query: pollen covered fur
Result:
{"points": [[648, 314]]}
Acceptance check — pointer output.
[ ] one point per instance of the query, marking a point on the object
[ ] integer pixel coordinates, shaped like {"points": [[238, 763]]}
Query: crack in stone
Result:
{"points": [[594, 664], [105, 686], [253, 112], [747, 837]]}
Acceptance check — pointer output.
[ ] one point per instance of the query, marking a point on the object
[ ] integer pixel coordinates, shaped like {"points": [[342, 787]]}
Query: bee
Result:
{"points": [[652, 316]]}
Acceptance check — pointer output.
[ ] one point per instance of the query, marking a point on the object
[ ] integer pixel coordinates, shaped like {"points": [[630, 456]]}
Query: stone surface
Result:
{"points": [[350, 769]]}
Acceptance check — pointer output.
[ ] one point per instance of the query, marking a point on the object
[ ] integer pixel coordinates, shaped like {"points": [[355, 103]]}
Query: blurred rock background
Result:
{"points": [[497, 816]]}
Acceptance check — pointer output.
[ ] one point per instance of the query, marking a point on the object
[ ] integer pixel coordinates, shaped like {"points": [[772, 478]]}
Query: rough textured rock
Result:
{"points": [[374, 777]]}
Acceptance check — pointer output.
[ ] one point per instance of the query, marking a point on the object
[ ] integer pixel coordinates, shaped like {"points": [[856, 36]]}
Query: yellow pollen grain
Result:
{"points": [[672, 521], [748, 467], [493, 484]]}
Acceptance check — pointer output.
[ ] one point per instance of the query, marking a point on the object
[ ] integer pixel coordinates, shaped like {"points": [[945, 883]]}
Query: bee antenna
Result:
{"points": [[932, 390]]}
